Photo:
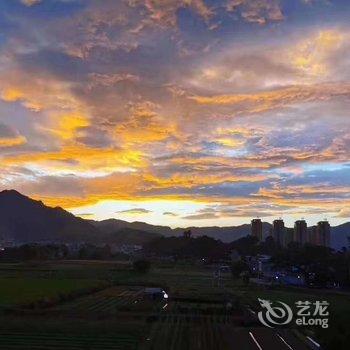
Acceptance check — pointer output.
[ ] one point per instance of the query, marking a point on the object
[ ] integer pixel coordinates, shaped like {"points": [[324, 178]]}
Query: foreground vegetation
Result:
{"points": [[103, 300], [23, 291]]}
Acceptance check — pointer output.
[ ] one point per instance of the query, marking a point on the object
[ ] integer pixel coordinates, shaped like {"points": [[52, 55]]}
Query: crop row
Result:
{"points": [[175, 334], [197, 308], [17, 340], [104, 302], [195, 319]]}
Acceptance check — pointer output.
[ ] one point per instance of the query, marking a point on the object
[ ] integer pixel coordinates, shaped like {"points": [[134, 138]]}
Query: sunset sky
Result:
{"points": [[178, 112]]}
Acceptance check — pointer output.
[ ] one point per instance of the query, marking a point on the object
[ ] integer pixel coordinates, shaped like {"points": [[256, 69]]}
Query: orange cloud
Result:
{"points": [[164, 12], [11, 95], [79, 159], [145, 126], [300, 191], [212, 162], [30, 2], [69, 124], [310, 55], [278, 98], [344, 213], [195, 179], [12, 141], [257, 11]]}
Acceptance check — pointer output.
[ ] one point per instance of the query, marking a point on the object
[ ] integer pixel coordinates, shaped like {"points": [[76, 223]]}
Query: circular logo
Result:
{"points": [[274, 315]]}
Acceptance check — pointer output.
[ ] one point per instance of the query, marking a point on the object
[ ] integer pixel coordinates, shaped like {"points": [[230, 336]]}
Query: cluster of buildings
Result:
{"points": [[316, 235]]}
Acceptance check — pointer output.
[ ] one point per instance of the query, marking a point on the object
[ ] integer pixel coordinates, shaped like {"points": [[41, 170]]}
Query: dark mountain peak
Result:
{"points": [[24, 219], [111, 221], [145, 224], [61, 210], [15, 198], [12, 193]]}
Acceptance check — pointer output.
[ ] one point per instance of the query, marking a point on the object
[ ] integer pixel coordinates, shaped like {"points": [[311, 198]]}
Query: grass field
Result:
{"points": [[198, 304], [45, 341], [55, 333], [110, 301], [14, 291], [63, 269]]}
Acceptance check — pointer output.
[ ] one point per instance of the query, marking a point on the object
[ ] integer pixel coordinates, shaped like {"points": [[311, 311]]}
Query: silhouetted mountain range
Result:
{"points": [[225, 234], [340, 235], [112, 225], [23, 219]]}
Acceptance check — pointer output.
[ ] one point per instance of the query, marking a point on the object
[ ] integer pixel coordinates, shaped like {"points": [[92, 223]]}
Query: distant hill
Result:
{"points": [[111, 225], [26, 220], [225, 234], [130, 236], [339, 236]]}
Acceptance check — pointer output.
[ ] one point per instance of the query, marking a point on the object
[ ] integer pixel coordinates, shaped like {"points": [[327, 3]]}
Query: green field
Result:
{"points": [[100, 305], [46, 332], [38, 341], [110, 301], [14, 291]]}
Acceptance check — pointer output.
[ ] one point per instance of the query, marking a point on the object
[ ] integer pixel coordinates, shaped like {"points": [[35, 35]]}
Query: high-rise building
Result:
{"points": [[289, 236], [313, 236], [300, 232], [320, 234], [256, 229], [324, 233], [279, 232]]}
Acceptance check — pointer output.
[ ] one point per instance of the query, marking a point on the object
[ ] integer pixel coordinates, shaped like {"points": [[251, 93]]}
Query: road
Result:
{"points": [[268, 339]]}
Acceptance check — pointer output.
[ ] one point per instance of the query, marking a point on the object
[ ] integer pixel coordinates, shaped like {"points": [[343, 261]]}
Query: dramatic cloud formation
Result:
{"points": [[178, 112]]}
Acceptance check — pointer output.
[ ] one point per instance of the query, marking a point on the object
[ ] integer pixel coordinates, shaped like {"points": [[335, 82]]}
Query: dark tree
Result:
{"points": [[246, 245], [187, 233]]}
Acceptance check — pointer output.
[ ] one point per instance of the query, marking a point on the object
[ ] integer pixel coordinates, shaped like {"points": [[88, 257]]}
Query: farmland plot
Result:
{"points": [[195, 326], [16, 291], [54, 341], [108, 301]]}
